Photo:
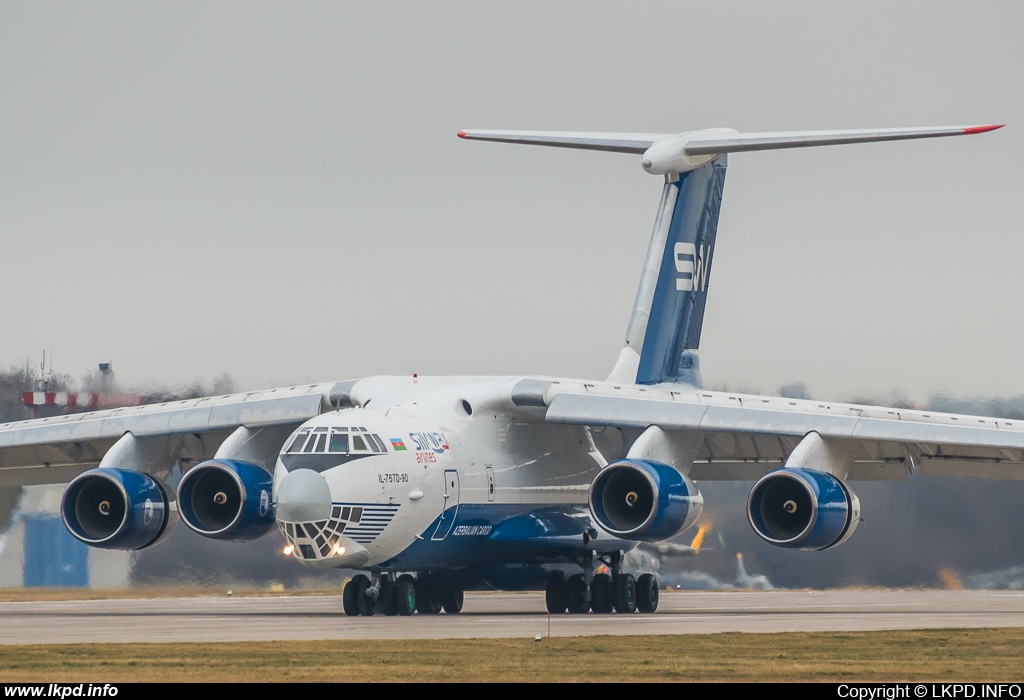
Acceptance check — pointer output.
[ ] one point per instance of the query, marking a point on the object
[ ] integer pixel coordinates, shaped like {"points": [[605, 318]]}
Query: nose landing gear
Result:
{"points": [[359, 597], [402, 596]]}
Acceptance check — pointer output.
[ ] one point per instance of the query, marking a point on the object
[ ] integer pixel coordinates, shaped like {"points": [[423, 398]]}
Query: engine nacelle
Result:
{"points": [[802, 509], [116, 509], [227, 500], [639, 499]]}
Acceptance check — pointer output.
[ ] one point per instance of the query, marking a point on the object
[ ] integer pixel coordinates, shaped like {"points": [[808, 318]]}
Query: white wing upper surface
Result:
{"points": [[741, 436], [55, 450], [745, 436]]}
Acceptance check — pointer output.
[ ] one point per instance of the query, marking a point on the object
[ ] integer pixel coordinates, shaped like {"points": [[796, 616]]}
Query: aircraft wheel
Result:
{"points": [[647, 593], [601, 598], [625, 593], [387, 601], [576, 594], [427, 602], [405, 597], [554, 593], [367, 605], [349, 595], [452, 601]]}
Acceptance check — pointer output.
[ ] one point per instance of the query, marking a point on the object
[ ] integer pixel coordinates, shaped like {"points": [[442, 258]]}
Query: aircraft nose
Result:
{"points": [[303, 496]]}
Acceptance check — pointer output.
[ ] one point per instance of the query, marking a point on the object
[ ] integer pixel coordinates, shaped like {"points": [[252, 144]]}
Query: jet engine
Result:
{"points": [[116, 509], [227, 500], [639, 499], [802, 509]]}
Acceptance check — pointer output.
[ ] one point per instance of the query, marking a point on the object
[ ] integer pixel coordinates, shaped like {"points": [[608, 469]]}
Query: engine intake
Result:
{"points": [[226, 500], [644, 500], [802, 509], [116, 509]]}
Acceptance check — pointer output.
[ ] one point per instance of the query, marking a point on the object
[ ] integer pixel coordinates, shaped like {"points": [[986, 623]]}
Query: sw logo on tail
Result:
{"points": [[691, 267]]}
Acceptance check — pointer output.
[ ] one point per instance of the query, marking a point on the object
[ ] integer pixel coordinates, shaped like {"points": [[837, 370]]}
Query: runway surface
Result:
{"points": [[499, 615]]}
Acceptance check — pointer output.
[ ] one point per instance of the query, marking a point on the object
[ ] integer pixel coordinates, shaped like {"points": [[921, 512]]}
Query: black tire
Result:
{"points": [[452, 601], [625, 593], [367, 605], [405, 597], [647, 593], [386, 602], [349, 596], [554, 594], [427, 602], [576, 594], [601, 598]]}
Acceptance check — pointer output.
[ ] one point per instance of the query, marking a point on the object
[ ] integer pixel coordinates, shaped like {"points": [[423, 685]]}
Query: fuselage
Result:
{"points": [[435, 473]]}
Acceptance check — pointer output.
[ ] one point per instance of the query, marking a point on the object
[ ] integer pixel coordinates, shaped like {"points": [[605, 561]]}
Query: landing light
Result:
{"points": [[288, 550], [338, 550]]}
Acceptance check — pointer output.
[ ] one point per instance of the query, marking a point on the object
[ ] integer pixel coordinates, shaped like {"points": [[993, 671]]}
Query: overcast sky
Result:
{"points": [[275, 190]]}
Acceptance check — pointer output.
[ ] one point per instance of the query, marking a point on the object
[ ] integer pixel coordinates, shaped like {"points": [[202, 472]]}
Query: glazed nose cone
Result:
{"points": [[303, 496]]}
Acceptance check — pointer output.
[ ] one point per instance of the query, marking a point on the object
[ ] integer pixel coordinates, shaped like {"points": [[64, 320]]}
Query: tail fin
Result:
{"points": [[664, 329]]}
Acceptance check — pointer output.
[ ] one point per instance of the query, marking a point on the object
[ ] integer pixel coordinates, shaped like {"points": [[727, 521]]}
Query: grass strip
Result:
{"points": [[980, 655]]}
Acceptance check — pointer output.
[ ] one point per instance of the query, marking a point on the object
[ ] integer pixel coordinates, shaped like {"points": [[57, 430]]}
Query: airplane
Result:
{"points": [[432, 486]]}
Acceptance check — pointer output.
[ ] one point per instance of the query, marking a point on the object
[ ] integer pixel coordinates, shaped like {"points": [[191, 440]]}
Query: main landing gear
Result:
{"points": [[601, 593], [402, 595]]}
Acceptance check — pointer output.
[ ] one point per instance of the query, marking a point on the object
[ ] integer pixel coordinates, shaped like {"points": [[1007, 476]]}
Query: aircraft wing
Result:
{"points": [[743, 437], [55, 450]]}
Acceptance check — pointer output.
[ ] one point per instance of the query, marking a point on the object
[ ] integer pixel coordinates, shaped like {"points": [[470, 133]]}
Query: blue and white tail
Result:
{"points": [[664, 328]]}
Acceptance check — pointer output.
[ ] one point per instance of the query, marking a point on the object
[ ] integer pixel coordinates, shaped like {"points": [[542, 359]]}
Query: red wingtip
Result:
{"points": [[461, 134], [983, 129]]}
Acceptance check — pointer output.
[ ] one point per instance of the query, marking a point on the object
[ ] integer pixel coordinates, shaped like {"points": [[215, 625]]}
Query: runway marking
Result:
{"points": [[499, 615]]}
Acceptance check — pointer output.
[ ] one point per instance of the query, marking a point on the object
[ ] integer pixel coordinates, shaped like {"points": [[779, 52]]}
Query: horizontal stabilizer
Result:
{"points": [[737, 143], [679, 153], [591, 141]]}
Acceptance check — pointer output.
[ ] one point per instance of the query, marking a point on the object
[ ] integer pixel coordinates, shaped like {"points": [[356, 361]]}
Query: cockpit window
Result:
{"points": [[296, 445], [316, 443], [339, 442], [336, 441]]}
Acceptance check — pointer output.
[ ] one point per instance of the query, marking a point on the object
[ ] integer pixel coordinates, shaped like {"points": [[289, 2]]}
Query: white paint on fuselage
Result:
{"points": [[532, 462]]}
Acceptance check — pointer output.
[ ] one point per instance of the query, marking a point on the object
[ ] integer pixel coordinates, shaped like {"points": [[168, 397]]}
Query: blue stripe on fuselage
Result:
{"points": [[489, 533]]}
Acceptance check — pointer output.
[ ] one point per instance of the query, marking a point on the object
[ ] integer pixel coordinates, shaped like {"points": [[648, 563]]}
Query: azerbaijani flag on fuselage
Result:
{"points": [[397, 445]]}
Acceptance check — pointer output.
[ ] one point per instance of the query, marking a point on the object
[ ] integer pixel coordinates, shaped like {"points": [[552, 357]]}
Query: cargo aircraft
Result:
{"points": [[432, 486]]}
